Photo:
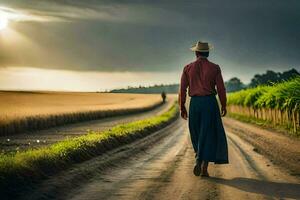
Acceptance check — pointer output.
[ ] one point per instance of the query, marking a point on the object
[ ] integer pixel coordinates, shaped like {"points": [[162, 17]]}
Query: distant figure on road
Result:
{"points": [[205, 124], [163, 96]]}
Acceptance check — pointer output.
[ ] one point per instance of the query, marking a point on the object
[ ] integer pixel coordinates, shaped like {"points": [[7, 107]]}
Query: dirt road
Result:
{"points": [[160, 167]]}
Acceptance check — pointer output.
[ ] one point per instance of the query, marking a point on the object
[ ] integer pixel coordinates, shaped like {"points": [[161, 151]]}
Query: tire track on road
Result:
{"points": [[251, 176], [160, 166]]}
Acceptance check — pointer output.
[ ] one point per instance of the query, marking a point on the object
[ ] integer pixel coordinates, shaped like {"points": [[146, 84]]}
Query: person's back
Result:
{"points": [[205, 124], [205, 80], [201, 77]]}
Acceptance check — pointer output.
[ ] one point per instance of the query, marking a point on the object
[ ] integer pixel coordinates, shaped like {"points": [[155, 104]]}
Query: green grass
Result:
{"points": [[20, 169], [263, 123]]}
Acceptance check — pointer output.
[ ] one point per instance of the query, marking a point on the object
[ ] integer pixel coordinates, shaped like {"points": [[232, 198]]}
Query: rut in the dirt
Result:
{"points": [[160, 167]]}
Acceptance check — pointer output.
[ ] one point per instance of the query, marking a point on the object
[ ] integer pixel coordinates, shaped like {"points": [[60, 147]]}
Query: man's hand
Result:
{"points": [[184, 114], [224, 112]]}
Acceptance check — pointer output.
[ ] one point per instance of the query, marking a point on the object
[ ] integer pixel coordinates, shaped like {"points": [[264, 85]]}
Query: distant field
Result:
{"points": [[26, 108]]}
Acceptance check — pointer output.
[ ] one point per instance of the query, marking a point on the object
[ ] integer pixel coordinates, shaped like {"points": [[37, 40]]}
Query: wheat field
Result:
{"points": [[22, 111]]}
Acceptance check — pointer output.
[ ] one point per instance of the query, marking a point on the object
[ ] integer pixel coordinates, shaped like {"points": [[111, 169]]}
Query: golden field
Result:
{"points": [[22, 111]]}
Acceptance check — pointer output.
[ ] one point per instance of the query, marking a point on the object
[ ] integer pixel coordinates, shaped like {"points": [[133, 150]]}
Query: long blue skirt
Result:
{"points": [[207, 131]]}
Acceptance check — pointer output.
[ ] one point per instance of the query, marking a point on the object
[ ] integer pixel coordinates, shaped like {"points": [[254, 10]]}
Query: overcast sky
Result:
{"points": [[150, 36]]}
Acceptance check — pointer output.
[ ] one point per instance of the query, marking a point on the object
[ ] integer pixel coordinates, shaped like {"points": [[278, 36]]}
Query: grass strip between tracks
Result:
{"points": [[25, 168]]}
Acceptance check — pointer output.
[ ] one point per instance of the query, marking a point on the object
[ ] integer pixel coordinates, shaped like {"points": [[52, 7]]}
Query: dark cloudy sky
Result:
{"points": [[151, 36]]}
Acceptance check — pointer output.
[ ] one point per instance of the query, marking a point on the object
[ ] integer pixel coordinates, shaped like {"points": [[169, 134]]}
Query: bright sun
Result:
{"points": [[3, 23]]}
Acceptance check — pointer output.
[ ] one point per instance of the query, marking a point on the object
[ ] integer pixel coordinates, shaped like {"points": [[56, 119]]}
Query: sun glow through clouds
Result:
{"points": [[3, 22], [8, 15], [28, 78]]}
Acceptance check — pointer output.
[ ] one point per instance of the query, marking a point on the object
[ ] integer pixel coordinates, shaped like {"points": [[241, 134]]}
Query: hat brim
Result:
{"points": [[194, 48]]}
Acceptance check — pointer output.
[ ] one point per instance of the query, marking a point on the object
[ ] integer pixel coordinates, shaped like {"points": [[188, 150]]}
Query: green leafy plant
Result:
{"points": [[278, 104]]}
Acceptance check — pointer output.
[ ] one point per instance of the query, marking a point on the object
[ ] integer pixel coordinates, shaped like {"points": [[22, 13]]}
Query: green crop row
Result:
{"points": [[285, 95], [279, 103]]}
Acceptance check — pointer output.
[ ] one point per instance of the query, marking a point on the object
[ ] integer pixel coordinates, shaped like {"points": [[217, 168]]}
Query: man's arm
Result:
{"points": [[221, 91], [182, 94]]}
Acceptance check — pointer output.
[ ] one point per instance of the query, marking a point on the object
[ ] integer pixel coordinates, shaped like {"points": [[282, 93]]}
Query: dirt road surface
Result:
{"points": [[160, 167], [282, 149]]}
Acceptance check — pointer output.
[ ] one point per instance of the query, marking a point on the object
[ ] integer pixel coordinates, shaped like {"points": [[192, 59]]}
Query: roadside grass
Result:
{"points": [[21, 170], [264, 123]]}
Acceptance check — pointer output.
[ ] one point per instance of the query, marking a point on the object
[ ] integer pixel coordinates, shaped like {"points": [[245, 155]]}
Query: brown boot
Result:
{"points": [[204, 172], [197, 169]]}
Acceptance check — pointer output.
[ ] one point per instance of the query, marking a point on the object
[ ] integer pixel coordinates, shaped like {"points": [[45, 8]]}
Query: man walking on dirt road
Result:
{"points": [[201, 77]]}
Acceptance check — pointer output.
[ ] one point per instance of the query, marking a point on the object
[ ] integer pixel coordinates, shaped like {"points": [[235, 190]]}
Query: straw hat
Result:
{"points": [[201, 47]]}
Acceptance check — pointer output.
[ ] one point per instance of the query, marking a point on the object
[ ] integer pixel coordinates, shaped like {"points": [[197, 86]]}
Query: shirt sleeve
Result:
{"points": [[221, 88], [183, 90]]}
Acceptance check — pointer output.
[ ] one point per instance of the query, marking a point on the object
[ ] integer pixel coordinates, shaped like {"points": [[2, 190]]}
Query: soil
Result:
{"points": [[160, 166], [281, 149]]}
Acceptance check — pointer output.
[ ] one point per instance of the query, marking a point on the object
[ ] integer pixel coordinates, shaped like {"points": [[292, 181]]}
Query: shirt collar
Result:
{"points": [[201, 58]]}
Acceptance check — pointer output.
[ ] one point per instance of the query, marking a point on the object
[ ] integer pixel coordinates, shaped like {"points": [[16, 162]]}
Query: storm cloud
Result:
{"points": [[248, 36]]}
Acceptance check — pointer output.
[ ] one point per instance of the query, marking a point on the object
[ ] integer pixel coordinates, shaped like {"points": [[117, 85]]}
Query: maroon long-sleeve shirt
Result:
{"points": [[201, 77]]}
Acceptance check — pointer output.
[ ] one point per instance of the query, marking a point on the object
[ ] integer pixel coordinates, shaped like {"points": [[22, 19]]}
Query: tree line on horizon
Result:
{"points": [[269, 78], [232, 85]]}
